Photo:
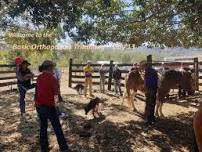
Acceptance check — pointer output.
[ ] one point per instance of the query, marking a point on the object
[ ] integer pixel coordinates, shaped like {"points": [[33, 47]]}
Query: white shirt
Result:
{"points": [[57, 74]]}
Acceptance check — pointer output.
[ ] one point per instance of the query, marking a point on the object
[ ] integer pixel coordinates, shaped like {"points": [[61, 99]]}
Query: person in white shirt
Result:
{"points": [[58, 76]]}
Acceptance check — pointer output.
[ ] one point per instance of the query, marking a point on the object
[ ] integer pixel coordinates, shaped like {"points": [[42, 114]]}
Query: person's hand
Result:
{"points": [[27, 77], [56, 98]]}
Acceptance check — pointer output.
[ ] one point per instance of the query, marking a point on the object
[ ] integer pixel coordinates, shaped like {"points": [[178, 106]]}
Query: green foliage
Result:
{"points": [[158, 23], [78, 55]]}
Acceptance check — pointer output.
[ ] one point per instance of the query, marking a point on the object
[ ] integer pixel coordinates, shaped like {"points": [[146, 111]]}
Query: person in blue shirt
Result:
{"points": [[151, 85], [117, 80]]}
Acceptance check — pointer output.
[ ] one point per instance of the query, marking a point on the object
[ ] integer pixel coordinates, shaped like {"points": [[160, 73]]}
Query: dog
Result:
{"points": [[79, 88], [93, 106]]}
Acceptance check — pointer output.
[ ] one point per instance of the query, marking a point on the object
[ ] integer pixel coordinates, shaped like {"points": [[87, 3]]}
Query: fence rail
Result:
{"points": [[8, 75], [74, 69], [78, 68]]}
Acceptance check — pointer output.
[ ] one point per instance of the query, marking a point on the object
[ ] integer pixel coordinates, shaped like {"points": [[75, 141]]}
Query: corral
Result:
{"points": [[120, 131]]}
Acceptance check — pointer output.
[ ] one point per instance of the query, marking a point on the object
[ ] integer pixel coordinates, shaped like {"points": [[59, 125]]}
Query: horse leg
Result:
{"points": [[132, 100], [124, 96], [157, 107], [160, 109], [129, 97]]}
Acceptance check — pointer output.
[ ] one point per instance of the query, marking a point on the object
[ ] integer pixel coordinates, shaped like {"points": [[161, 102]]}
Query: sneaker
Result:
{"points": [[62, 115], [24, 115]]}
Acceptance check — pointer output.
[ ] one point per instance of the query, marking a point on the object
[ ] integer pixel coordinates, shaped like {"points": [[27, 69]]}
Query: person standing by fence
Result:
{"points": [[117, 78], [88, 70], [102, 72], [46, 96], [24, 77], [151, 85]]}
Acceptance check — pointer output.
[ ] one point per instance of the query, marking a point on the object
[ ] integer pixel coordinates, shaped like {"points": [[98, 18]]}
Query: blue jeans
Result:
{"points": [[117, 86], [49, 113], [102, 84], [23, 90]]}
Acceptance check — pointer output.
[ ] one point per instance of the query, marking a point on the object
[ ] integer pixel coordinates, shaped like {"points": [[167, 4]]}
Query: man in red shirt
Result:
{"points": [[46, 94]]}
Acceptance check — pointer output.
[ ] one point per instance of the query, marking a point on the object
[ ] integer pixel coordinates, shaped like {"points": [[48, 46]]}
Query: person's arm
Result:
{"points": [[84, 69], [113, 74], [146, 78], [92, 70], [20, 77], [119, 74], [157, 78]]}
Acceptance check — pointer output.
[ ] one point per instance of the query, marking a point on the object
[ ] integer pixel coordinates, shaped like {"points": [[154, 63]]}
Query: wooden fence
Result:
{"points": [[8, 76], [76, 74]]}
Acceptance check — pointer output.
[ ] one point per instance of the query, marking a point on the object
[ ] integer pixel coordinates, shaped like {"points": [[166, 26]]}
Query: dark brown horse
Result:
{"points": [[173, 79]]}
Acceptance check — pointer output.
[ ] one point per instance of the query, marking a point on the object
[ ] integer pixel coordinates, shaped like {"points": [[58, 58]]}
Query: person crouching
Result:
{"points": [[46, 94]]}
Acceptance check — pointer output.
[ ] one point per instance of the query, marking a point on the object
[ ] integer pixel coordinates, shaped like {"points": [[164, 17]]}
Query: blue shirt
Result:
{"points": [[151, 77]]}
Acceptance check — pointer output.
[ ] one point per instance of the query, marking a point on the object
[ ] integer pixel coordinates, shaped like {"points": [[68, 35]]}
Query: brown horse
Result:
{"points": [[173, 79], [133, 82]]}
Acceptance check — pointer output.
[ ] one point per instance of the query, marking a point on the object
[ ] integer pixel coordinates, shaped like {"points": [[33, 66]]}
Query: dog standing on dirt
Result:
{"points": [[79, 88], [93, 106]]}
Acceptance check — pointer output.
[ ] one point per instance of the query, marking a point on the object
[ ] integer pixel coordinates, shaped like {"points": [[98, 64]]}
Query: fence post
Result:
{"points": [[196, 73], [70, 72], [110, 75], [149, 60]]}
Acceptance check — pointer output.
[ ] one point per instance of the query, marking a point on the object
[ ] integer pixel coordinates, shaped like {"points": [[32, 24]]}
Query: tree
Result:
{"points": [[155, 22]]}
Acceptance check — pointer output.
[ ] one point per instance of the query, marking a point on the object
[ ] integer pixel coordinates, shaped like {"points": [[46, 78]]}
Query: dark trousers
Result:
{"points": [[45, 114], [150, 104], [22, 91]]}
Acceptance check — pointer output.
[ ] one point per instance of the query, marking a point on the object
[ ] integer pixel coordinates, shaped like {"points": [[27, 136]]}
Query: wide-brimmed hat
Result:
{"points": [[25, 62]]}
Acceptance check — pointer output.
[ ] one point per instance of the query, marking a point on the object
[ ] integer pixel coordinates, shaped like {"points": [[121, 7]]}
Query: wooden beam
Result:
{"points": [[7, 66], [70, 72], [110, 75], [4, 72], [196, 68]]}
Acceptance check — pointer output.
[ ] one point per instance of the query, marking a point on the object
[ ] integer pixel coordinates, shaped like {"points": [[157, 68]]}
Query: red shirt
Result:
{"points": [[46, 89]]}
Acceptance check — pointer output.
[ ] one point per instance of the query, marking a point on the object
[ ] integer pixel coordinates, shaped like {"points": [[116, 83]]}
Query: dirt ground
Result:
{"points": [[121, 130]]}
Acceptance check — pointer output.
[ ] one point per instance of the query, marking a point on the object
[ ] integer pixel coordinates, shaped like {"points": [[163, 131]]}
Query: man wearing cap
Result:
{"points": [[24, 77], [151, 85], [88, 70]]}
